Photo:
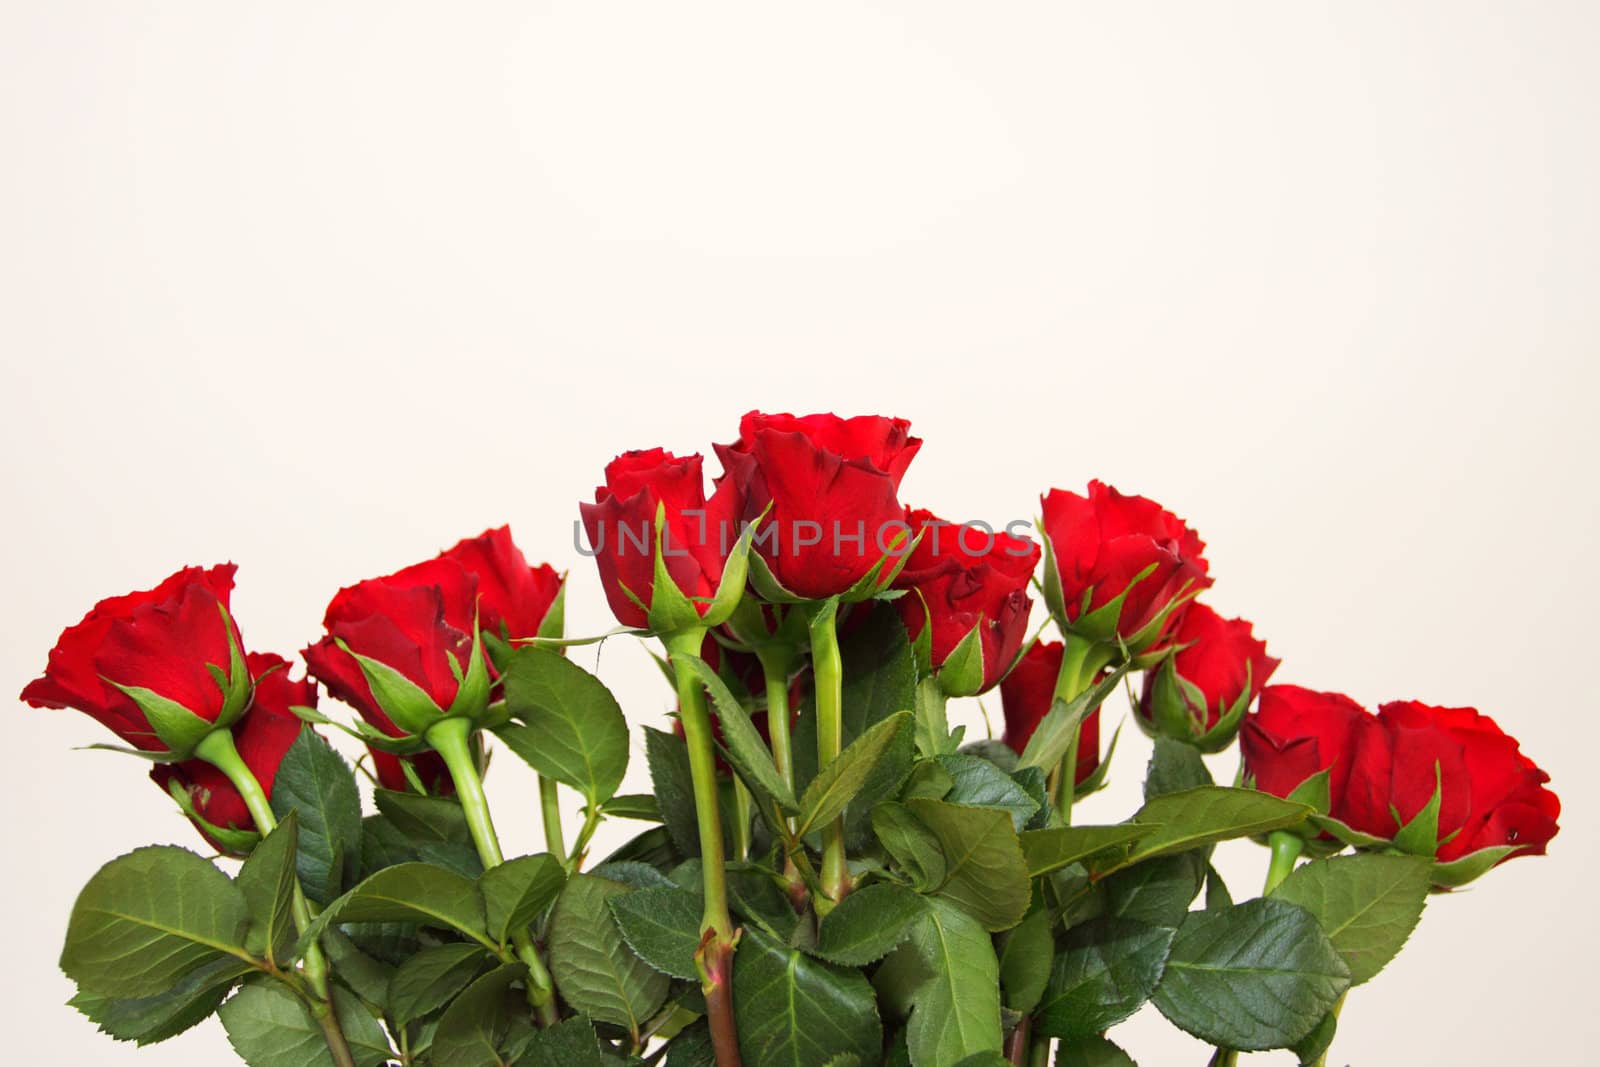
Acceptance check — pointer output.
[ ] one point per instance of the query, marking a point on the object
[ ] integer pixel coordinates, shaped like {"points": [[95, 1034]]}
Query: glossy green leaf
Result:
{"points": [[1367, 904], [474, 1029], [662, 926], [979, 783], [519, 891], [1205, 815], [1157, 891], [593, 967], [270, 1026], [1025, 958], [1174, 767], [1055, 731], [147, 919], [570, 1043], [1048, 850], [956, 1010], [433, 977], [795, 1011], [413, 893], [573, 729], [148, 1020], [868, 924], [747, 752], [668, 757], [1105, 971], [837, 784], [1259, 975], [267, 881], [985, 871], [315, 782], [913, 846], [1092, 1052], [434, 830]]}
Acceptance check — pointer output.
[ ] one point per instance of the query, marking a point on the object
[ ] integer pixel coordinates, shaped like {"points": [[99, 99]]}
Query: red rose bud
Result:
{"points": [[262, 736], [1025, 698], [697, 545], [400, 649], [968, 586], [1444, 782], [1200, 694], [1117, 567], [828, 487], [515, 601], [429, 767], [159, 668]]}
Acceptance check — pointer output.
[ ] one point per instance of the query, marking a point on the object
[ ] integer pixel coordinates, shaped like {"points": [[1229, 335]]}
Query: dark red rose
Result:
{"points": [[698, 536], [262, 736], [960, 579], [389, 769], [1102, 543], [167, 640], [513, 598], [417, 621], [1219, 670], [1297, 733], [1025, 698], [833, 486]]}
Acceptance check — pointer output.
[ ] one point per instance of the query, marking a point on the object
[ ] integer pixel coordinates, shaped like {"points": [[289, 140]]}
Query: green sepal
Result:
{"points": [[670, 609], [881, 576], [1098, 777], [234, 842], [237, 687], [735, 577], [961, 674], [554, 624], [1050, 586], [766, 584], [1474, 865], [472, 689], [1420, 836], [402, 700], [1060, 724], [178, 728]]}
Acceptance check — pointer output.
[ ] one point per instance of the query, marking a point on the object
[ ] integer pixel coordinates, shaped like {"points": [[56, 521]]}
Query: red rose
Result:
{"points": [[1101, 545], [167, 640], [1026, 695], [962, 581], [1385, 769], [1201, 693], [262, 736], [698, 536], [513, 598], [832, 484], [430, 767], [417, 622]]}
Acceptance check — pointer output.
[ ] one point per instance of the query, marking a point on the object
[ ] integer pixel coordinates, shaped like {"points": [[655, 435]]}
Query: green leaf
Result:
{"points": [[366, 976], [640, 806], [413, 893], [668, 757], [913, 846], [571, 1043], [433, 977], [267, 882], [145, 920], [269, 1026], [1217, 895], [435, 829], [662, 926], [1314, 1046], [880, 674], [795, 1011], [1092, 1052], [316, 783], [473, 1030], [594, 969], [1106, 969], [1025, 959], [148, 1020], [985, 871], [1257, 976], [519, 891], [932, 731], [956, 1010], [1367, 904], [868, 924], [979, 783], [1174, 767], [985, 1059], [1157, 891], [747, 752], [836, 784], [692, 1048], [574, 731], [1060, 724], [1205, 815], [1048, 850]]}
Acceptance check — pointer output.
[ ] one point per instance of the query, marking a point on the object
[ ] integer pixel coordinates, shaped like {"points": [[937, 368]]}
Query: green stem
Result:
{"points": [[828, 672], [1039, 1054], [217, 748], [717, 939], [1338, 1006], [1071, 680], [550, 809], [1286, 848], [776, 661], [1224, 1057], [452, 739]]}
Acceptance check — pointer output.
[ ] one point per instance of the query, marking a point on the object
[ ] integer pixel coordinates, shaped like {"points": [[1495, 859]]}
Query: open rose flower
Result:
{"points": [[415, 624], [970, 587], [1201, 693], [1384, 770], [832, 484], [514, 599], [164, 643], [263, 736], [1122, 565], [697, 539], [1025, 698]]}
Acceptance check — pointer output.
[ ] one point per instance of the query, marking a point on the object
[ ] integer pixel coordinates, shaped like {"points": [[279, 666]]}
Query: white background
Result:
{"points": [[322, 288]]}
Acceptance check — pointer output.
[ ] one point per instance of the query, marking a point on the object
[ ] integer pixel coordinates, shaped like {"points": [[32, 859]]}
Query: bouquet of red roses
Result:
{"points": [[828, 874]]}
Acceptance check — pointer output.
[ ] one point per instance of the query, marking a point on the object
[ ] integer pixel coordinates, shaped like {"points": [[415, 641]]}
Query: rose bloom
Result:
{"points": [[1219, 669], [1026, 695]]}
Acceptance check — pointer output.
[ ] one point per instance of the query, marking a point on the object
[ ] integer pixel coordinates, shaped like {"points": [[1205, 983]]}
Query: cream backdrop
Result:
{"points": [[322, 288]]}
